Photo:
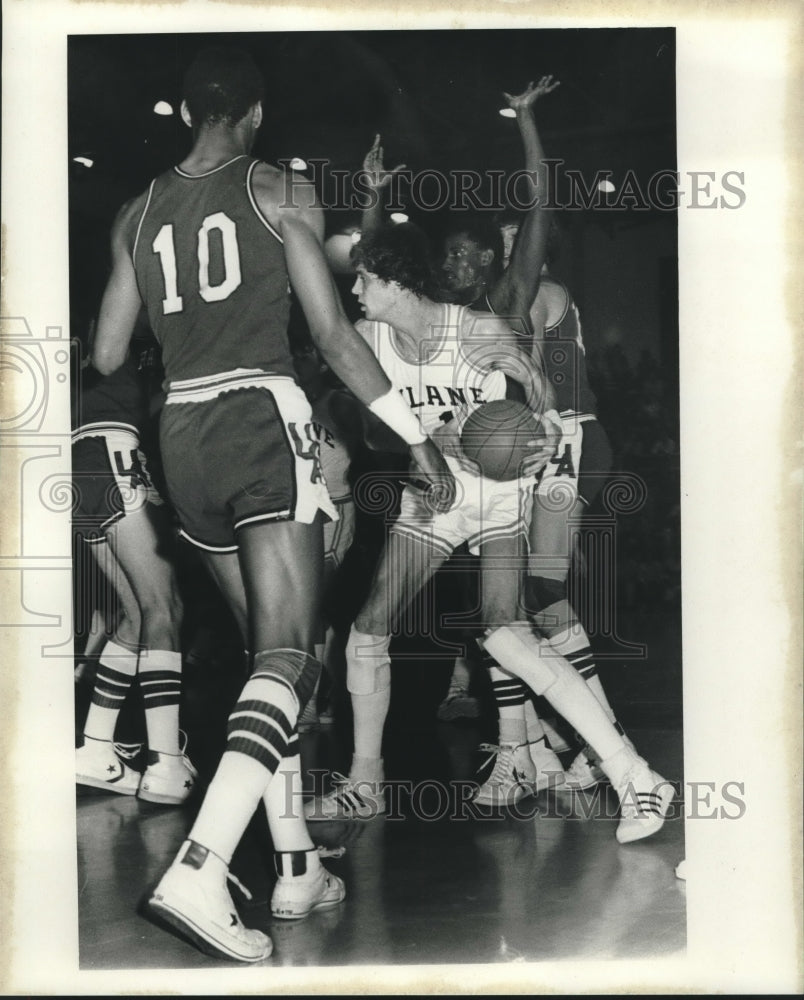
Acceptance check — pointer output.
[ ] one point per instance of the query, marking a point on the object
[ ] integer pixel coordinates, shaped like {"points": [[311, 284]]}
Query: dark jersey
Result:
{"points": [[563, 355], [211, 272], [564, 358]]}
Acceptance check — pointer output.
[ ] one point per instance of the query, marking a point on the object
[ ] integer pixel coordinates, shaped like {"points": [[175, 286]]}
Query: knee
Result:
{"points": [[293, 668], [162, 616], [373, 619], [127, 631]]}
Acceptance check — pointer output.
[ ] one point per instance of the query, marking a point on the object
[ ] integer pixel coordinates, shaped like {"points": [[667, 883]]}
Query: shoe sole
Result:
{"points": [[569, 786], [82, 779], [527, 791], [647, 827], [317, 817], [189, 929], [163, 800], [324, 904]]}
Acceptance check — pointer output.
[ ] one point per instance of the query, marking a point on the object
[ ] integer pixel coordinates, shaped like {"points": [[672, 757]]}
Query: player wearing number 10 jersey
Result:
{"points": [[211, 249], [209, 266], [211, 269]]}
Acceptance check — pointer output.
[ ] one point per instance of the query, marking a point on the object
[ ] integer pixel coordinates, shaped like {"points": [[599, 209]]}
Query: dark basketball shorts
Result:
{"points": [[110, 478], [580, 466], [239, 448]]}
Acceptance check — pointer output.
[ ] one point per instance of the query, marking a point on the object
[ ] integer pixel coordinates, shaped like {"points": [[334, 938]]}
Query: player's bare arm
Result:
{"points": [[488, 342], [296, 210], [121, 301], [513, 294], [375, 179]]}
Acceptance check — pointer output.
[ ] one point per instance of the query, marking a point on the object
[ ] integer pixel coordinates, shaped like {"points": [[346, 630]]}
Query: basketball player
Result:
{"points": [[446, 361], [473, 274], [121, 516], [573, 478], [211, 249]]}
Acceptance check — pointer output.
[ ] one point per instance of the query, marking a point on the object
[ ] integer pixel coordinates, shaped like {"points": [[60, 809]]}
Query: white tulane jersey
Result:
{"points": [[453, 377]]}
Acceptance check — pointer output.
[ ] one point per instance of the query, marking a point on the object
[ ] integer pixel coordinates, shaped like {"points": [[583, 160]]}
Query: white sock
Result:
{"points": [[368, 665], [116, 671], [516, 649], [159, 676], [259, 729], [533, 724]]}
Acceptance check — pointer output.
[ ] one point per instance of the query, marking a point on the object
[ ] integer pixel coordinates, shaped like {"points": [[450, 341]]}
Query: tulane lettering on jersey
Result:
{"points": [[211, 271], [451, 381]]}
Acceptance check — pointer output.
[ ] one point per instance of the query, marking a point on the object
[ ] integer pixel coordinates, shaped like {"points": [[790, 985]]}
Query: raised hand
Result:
{"points": [[525, 100], [376, 174]]}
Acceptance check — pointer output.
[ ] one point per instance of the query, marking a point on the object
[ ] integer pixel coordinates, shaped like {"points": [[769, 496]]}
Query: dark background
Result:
{"points": [[434, 96]]}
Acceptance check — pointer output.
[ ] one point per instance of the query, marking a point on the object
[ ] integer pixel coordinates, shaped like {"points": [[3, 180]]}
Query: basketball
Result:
{"points": [[499, 436]]}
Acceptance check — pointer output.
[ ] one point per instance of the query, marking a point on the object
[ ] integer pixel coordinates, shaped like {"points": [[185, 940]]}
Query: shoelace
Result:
{"points": [[330, 852], [339, 779], [128, 751], [236, 881], [502, 765]]}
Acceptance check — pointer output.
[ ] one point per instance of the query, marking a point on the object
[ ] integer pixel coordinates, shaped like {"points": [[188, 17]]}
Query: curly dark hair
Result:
{"points": [[399, 253], [221, 84]]}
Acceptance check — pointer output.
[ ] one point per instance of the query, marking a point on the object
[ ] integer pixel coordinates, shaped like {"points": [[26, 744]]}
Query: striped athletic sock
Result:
{"points": [[160, 682], [116, 671], [572, 643], [261, 732], [509, 694], [533, 724]]}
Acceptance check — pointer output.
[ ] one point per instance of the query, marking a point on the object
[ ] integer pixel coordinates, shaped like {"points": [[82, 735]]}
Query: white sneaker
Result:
{"points": [[299, 891], [351, 798], [168, 779], [645, 798], [194, 899], [585, 771], [512, 778], [458, 705], [98, 764], [549, 772]]}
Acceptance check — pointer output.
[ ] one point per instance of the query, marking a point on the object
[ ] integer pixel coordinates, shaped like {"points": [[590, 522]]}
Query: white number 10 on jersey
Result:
{"points": [[164, 246]]}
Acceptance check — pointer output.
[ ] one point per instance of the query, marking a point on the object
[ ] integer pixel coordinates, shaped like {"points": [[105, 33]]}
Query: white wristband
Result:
{"points": [[394, 412]]}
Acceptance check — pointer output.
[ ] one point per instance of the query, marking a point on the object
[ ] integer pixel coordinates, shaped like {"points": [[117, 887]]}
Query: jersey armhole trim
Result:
{"points": [[255, 206], [139, 225], [566, 309]]}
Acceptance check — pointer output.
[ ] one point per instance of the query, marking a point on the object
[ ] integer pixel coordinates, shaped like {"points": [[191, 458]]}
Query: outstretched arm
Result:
{"points": [[301, 224], [514, 293], [375, 179], [121, 301]]}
